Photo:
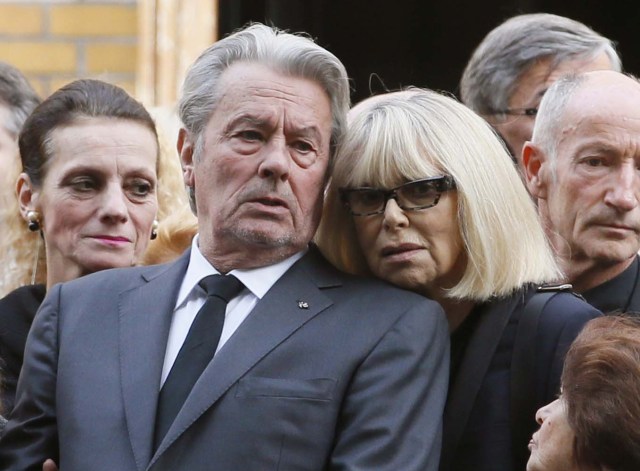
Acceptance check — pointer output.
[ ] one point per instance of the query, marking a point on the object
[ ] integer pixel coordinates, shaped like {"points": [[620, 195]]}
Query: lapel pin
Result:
{"points": [[303, 305]]}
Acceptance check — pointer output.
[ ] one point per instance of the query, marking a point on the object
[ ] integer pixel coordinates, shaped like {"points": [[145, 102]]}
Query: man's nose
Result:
{"points": [[624, 188], [276, 160]]}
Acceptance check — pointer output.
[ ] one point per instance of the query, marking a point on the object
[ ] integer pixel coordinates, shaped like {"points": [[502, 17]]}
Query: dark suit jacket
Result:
{"points": [[328, 372], [17, 311], [477, 431]]}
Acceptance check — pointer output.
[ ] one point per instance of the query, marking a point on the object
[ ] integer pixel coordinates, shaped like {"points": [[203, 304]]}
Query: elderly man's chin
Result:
{"points": [[269, 234], [610, 253]]}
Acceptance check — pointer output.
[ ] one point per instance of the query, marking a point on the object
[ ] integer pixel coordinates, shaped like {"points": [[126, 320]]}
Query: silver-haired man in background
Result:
{"points": [[514, 65], [250, 352]]}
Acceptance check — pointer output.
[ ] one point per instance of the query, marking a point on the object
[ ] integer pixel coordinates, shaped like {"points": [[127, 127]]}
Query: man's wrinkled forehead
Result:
{"points": [[602, 96], [600, 129]]}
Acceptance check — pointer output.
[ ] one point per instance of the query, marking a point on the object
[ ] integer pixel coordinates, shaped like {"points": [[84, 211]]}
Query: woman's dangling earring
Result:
{"points": [[33, 223], [34, 268], [154, 229], [33, 220]]}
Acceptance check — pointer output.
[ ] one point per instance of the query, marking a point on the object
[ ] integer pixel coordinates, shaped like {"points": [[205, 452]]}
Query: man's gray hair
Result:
{"points": [[17, 94], [286, 53], [509, 50]]}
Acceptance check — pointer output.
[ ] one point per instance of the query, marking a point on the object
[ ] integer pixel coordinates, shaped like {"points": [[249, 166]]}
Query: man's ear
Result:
{"points": [[186, 147], [27, 195], [535, 163]]}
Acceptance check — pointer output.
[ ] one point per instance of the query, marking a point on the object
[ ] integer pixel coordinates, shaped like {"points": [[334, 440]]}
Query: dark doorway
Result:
{"points": [[395, 43]]}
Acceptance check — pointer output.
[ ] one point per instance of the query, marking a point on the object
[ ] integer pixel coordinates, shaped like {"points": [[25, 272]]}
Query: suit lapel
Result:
{"points": [[289, 304], [144, 322], [474, 366]]}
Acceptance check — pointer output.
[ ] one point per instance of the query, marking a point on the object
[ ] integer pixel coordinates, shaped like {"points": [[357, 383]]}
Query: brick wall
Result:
{"points": [[56, 41]]}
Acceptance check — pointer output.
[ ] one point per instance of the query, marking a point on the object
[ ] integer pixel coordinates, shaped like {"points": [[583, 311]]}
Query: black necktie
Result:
{"points": [[197, 350]]}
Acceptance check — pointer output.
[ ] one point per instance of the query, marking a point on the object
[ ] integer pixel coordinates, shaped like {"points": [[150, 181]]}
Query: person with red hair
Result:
{"points": [[593, 425]]}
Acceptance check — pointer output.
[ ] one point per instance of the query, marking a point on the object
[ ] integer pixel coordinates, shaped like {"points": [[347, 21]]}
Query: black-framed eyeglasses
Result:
{"points": [[412, 196], [514, 113]]}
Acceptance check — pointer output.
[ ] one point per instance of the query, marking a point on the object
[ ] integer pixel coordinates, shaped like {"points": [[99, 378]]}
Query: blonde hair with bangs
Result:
{"points": [[417, 133]]}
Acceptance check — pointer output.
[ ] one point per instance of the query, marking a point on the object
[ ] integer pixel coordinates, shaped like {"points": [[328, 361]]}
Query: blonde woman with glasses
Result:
{"points": [[424, 196]]}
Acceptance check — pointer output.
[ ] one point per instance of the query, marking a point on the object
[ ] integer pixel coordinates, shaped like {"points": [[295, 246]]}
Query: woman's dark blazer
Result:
{"points": [[17, 311], [477, 431]]}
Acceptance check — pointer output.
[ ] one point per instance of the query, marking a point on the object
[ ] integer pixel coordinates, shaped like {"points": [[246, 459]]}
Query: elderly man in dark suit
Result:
{"points": [[313, 369], [582, 168]]}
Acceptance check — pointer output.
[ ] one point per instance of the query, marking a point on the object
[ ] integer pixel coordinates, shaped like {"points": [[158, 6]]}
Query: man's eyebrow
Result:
{"points": [[597, 146], [308, 131], [247, 119], [312, 131]]}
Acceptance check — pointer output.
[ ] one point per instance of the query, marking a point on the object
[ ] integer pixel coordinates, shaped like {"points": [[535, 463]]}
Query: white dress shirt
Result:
{"points": [[191, 297]]}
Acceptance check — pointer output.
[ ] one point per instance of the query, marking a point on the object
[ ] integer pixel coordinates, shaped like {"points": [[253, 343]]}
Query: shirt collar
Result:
{"points": [[615, 294], [257, 280]]}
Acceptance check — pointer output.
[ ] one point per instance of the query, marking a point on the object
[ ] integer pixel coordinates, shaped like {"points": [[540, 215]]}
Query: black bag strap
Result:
{"points": [[523, 378]]}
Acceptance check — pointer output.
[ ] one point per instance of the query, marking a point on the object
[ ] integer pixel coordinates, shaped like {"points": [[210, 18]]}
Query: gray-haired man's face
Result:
{"points": [[589, 197], [261, 172], [517, 129]]}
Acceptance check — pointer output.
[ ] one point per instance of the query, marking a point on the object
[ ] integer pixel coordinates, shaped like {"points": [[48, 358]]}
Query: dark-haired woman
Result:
{"points": [[89, 155]]}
